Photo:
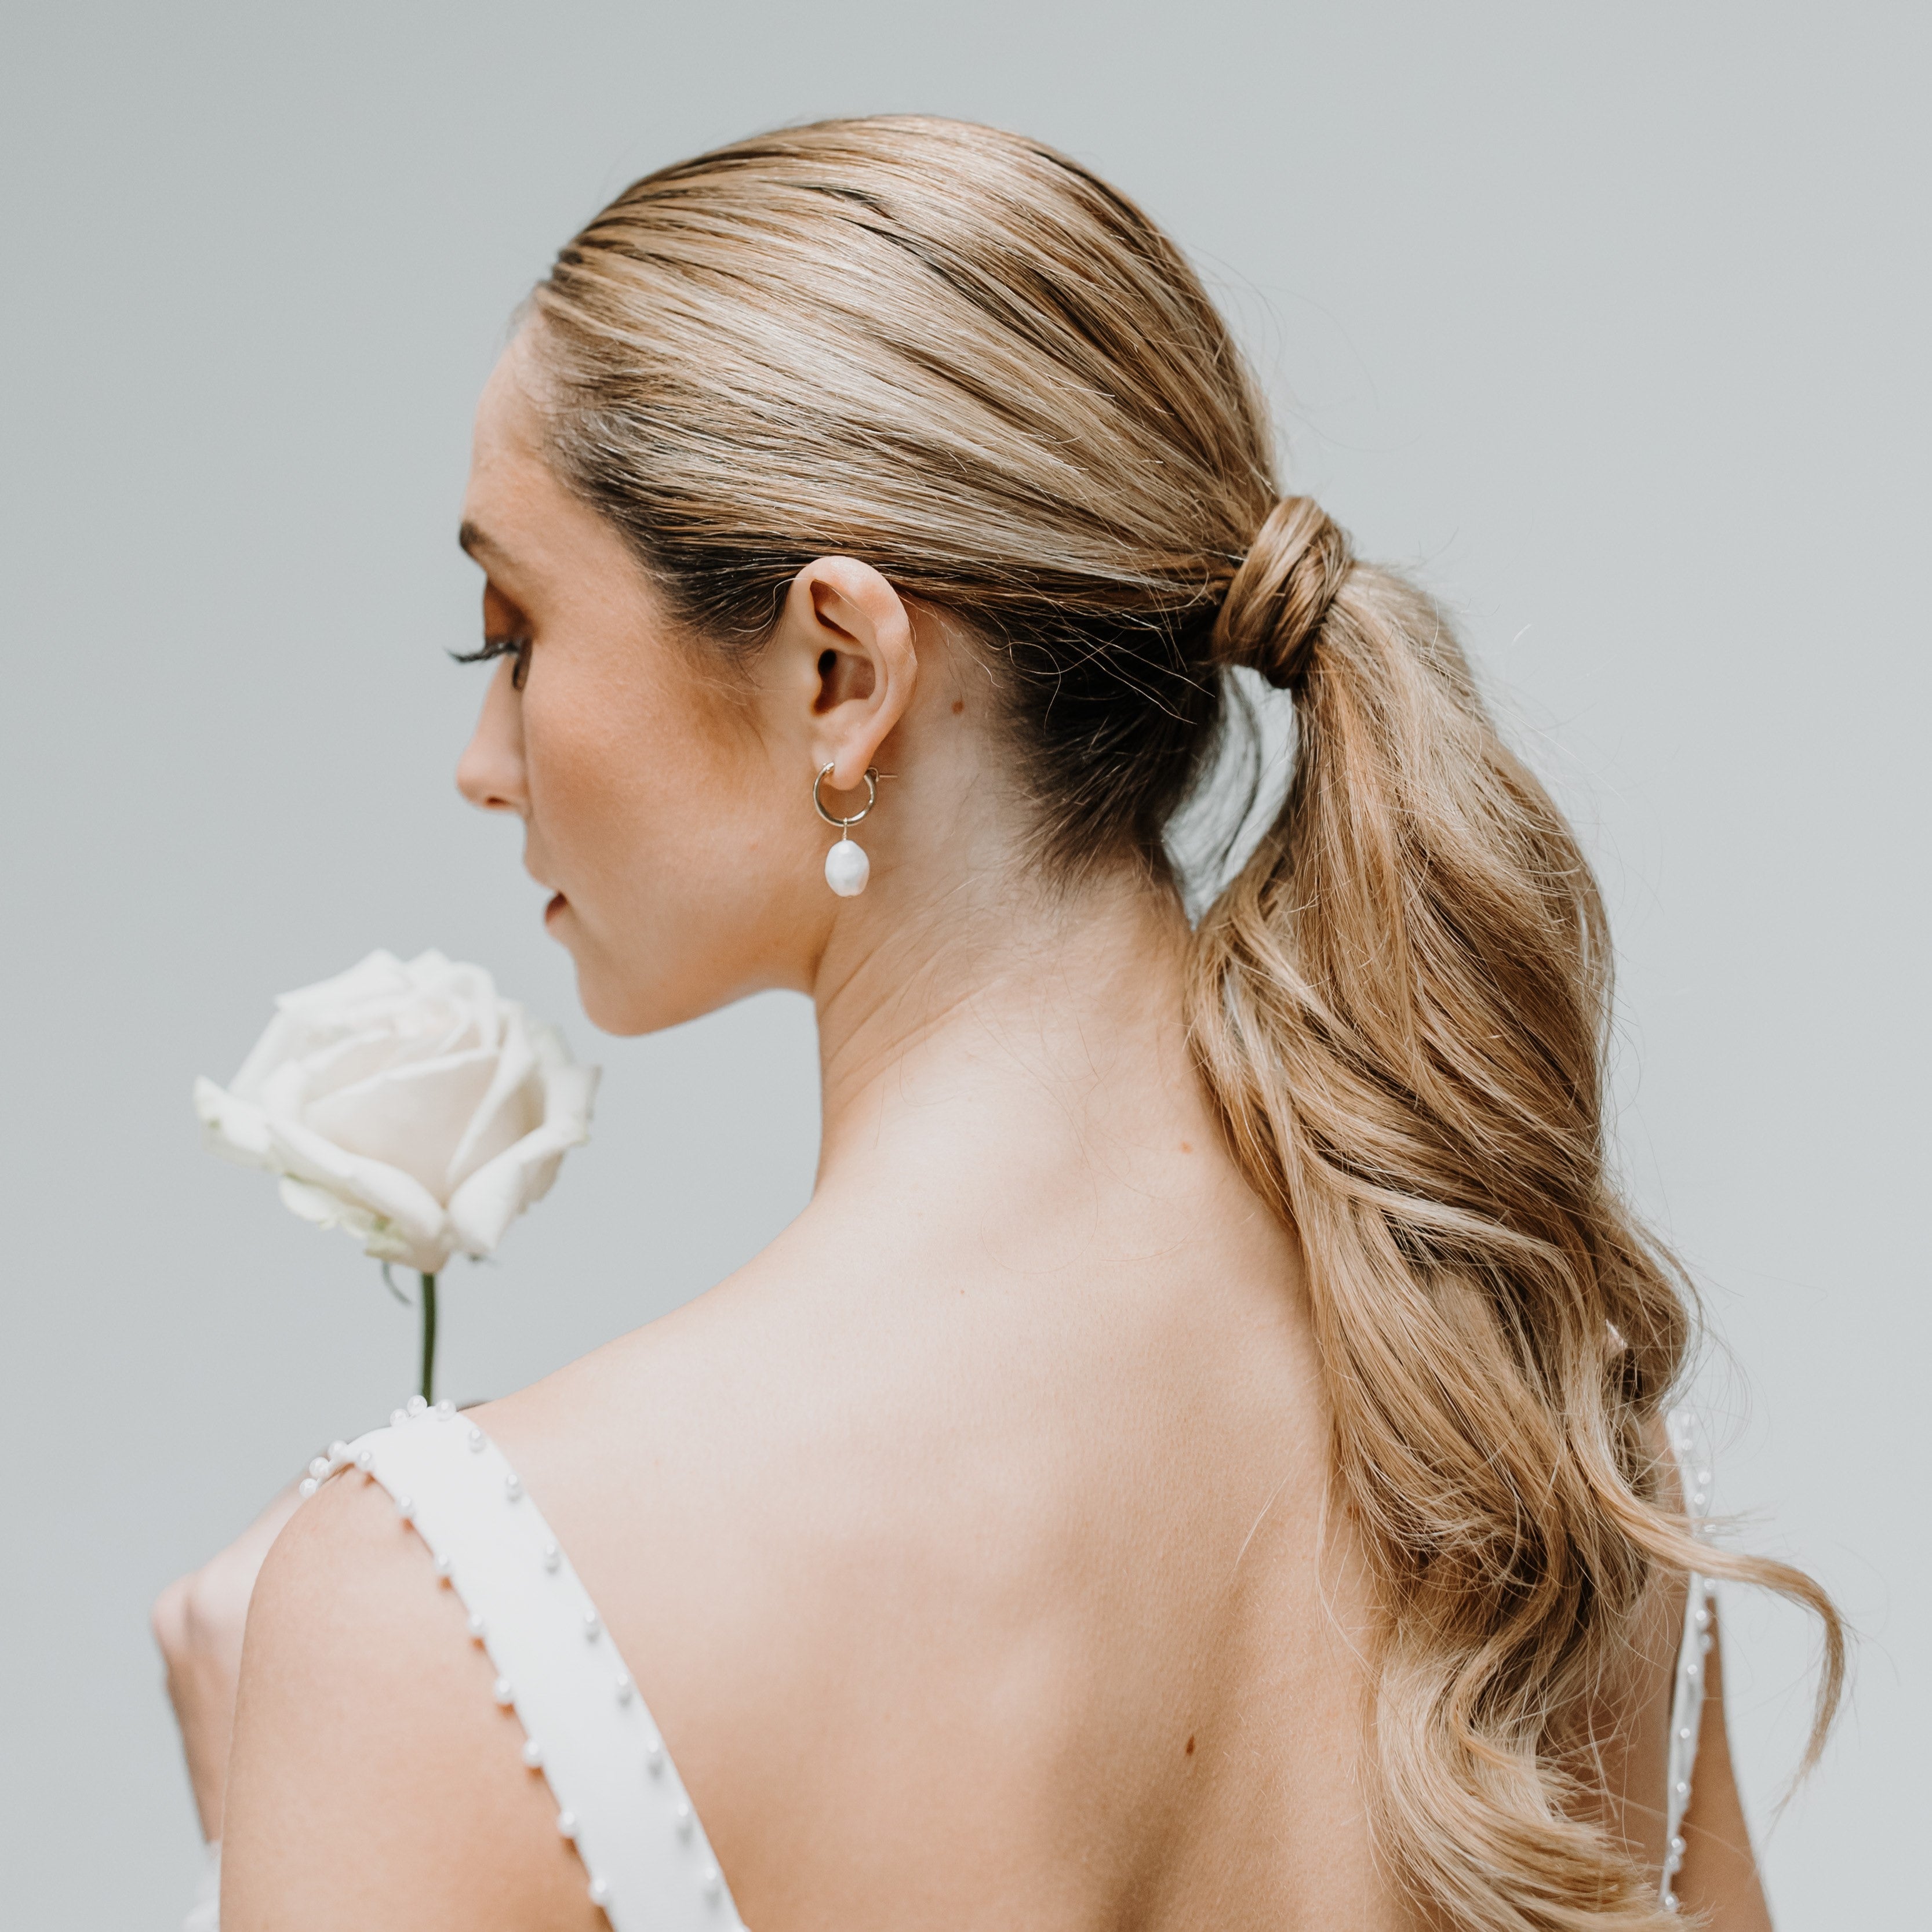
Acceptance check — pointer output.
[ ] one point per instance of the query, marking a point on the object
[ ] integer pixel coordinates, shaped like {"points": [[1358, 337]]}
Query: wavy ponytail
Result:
{"points": [[1400, 1006], [960, 356]]}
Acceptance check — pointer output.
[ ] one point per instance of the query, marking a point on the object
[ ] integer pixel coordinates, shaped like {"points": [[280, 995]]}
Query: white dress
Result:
{"points": [[587, 1731]]}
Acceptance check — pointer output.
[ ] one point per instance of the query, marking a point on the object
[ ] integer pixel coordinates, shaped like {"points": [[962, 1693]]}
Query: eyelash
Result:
{"points": [[498, 647]]}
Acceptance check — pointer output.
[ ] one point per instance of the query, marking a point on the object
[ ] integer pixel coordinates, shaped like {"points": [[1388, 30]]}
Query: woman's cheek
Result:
{"points": [[622, 793], [584, 775]]}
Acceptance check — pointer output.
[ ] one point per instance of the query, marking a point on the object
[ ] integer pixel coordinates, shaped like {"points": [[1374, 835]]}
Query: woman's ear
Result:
{"points": [[843, 651]]}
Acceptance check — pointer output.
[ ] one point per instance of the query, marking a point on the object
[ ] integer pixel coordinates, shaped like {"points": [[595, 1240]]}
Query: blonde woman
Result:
{"points": [[1201, 1458]]}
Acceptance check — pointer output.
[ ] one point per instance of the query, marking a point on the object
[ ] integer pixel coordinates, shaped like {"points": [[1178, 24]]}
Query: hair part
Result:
{"points": [[961, 357]]}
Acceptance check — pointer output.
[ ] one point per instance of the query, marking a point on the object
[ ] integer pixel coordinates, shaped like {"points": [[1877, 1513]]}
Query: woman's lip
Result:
{"points": [[557, 904]]}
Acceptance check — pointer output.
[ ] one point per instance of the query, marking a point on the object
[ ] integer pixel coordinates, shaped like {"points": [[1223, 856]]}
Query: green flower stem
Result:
{"points": [[429, 1337]]}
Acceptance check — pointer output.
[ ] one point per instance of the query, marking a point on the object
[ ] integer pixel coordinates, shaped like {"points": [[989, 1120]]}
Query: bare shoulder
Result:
{"points": [[375, 1783]]}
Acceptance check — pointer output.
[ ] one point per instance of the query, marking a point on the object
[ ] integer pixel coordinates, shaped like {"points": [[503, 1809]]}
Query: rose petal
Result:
{"points": [[425, 1257], [378, 1237], [326, 1066], [512, 1108], [425, 1009], [233, 1128], [325, 1209], [406, 1117], [467, 989], [385, 1192], [570, 1090], [287, 1037], [481, 1209], [331, 1005], [492, 1197]]}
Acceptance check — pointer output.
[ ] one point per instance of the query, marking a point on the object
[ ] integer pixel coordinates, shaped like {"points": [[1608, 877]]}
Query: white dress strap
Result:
{"points": [[1687, 1702], [585, 1726]]}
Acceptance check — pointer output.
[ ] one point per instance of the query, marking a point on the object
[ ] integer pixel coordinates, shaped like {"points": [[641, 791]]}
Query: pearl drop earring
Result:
{"points": [[847, 867]]}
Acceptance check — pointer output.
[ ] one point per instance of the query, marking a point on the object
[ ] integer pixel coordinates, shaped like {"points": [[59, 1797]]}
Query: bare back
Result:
{"points": [[1058, 1646]]}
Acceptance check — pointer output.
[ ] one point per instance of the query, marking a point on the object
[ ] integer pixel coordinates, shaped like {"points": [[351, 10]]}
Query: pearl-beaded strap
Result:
{"points": [[1687, 1702], [619, 1800]]}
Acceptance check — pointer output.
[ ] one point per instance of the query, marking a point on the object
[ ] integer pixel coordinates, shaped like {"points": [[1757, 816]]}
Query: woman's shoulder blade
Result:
{"points": [[875, 1597]]}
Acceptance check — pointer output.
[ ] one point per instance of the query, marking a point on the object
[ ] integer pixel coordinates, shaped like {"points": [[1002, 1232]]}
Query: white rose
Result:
{"points": [[407, 1103]]}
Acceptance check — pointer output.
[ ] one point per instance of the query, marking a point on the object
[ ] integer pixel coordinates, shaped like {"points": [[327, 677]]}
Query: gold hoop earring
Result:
{"points": [[847, 867]]}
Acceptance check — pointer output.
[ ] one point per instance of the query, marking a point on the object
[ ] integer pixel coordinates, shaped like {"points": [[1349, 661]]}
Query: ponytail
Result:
{"points": [[1400, 1006]]}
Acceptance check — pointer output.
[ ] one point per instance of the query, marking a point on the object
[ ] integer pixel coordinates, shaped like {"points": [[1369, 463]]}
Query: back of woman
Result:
{"points": [[1201, 1456]]}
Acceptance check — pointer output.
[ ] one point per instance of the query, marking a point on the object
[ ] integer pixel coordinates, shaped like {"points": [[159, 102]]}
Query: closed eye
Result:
{"points": [[498, 647]]}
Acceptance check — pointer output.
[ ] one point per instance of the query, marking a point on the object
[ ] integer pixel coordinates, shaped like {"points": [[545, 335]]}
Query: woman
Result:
{"points": [[1200, 1459]]}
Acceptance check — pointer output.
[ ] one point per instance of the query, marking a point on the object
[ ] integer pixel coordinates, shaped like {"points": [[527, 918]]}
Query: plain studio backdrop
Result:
{"points": [[1610, 322]]}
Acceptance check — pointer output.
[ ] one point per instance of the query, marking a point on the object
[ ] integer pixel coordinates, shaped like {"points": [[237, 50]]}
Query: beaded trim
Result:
{"points": [[647, 1862], [1687, 1702]]}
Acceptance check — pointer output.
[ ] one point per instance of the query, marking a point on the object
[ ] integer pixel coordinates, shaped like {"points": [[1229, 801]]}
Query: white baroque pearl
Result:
{"points": [[847, 869]]}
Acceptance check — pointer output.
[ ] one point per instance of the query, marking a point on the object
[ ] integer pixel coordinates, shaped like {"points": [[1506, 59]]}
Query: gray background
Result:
{"points": [[1610, 321]]}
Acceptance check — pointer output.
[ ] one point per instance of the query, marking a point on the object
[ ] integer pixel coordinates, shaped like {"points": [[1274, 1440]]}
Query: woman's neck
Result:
{"points": [[1019, 1032]]}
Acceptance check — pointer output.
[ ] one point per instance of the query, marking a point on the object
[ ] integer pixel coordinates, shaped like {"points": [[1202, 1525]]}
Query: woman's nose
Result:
{"points": [[489, 774]]}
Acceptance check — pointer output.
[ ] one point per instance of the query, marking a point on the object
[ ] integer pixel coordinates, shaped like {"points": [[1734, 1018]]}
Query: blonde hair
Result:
{"points": [[960, 356]]}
